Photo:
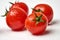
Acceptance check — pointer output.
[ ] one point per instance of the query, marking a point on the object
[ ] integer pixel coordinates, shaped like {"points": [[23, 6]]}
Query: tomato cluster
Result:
{"points": [[16, 16], [36, 22]]}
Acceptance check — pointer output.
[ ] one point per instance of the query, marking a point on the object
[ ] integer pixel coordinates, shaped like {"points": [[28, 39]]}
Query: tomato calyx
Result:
{"points": [[38, 18], [37, 10], [5, 13]]}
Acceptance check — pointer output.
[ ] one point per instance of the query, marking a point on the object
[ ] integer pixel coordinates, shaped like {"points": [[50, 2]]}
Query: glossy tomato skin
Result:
{"points": [[46, 9], [15, 19], [34, 28], [20, 5]]}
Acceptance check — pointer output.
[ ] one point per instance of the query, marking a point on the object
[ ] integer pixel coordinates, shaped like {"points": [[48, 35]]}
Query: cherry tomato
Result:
{"points": [[46, 10], [15, 19], [20, 5], [36, 23]]}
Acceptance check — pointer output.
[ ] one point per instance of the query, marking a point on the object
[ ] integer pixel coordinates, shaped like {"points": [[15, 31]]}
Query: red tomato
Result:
{"points": [[20, 5], [36, 23], [16, 19], [45, 9]]}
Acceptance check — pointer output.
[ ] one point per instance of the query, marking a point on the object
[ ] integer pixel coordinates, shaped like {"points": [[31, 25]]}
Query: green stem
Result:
{"points": [[5, 13], [10, 2], [37, 10], [39, 18]]}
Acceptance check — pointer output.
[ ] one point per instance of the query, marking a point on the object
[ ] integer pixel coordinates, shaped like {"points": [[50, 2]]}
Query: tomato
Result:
{"points": [[46, 10], [15, 19], [36, 23], [20, 5]]}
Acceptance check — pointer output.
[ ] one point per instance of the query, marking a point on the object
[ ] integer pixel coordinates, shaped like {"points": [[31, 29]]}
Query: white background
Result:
{"points": [[53, 30]]}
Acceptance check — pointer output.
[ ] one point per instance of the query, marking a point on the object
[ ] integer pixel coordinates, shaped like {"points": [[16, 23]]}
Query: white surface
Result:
{"points": [[53, 30]]}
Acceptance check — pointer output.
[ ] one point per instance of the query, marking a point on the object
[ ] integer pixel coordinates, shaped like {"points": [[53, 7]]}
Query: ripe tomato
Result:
{"points": [[15, 19], [45, 9], [20, 5], [36, 23]]}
